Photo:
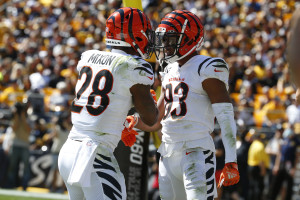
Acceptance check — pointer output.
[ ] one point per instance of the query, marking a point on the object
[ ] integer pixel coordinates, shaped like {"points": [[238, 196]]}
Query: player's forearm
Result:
{"points": [[225, 116], [155, 127], [144, 127], [150, 118]]}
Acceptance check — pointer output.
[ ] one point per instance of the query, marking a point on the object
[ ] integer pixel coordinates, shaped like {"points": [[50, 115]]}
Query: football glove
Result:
{"points": [[153, 95], [230, 175], [131, 121], [128, 136]]}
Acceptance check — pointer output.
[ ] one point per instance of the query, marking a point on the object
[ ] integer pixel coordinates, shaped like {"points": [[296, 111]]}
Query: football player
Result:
{"points": [[293, 48], [194, 92], [109, 83]]}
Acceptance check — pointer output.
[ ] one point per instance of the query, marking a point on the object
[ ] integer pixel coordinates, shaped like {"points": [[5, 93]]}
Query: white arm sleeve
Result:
{"points": [[225, 116]]}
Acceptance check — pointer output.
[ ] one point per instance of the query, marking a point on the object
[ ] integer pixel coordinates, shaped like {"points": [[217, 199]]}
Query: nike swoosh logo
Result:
{"points": [[150, 77], [218, 70], [187, 153]]}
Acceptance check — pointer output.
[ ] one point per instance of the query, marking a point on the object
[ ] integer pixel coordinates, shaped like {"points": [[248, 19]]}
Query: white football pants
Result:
{"points": [[107, 181], [188, 175]]}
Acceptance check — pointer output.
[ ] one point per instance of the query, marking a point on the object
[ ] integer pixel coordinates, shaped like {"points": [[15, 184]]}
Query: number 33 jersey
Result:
{"points": [[103, 96], [188, 112]]}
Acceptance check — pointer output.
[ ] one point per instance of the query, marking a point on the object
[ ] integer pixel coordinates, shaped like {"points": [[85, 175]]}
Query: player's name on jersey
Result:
{"points": [[176, 79], [102, 59]]}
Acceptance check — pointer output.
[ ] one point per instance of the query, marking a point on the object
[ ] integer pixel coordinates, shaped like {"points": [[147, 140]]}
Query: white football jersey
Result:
{"points": [[103, 98], [188, 111]]}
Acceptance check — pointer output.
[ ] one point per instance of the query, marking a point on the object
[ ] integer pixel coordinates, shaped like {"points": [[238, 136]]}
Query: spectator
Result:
{"points": [[259, 163], [274, 143], [37, 79], [3, 157], [285, 167], [59, 135], [245, 114], [13, 93], [242, 159], [273, 147], [293, 111], [19, 149], [39, 134], [59, 99], [36, 103], [274, 112]]}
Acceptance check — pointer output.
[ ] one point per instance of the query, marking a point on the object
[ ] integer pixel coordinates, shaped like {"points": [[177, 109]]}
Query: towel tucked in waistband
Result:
{"points": [[81, 170]]}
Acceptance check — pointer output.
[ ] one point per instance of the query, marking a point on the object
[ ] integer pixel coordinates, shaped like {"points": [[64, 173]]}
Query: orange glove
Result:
{"points": [[153, 95], [128, 136], [230, 175], [131, 121]]}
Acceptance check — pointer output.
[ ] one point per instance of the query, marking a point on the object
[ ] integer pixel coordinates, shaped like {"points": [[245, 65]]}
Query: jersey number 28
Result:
{"points": [[92, 109]]}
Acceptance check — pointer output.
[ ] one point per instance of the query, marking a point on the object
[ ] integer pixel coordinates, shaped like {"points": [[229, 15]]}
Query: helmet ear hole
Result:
{"points": [[138, 39], [186, 39], [190, 42]]}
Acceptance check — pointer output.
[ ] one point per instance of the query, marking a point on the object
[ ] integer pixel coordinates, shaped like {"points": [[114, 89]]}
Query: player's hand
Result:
{"points": [[128, 136], [130, 121], [153, 95], [230, 175], [298, 95]]}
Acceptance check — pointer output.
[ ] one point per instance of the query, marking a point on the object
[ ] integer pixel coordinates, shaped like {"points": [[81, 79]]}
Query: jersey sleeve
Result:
{"points": [[140, 72], [215, 68]]}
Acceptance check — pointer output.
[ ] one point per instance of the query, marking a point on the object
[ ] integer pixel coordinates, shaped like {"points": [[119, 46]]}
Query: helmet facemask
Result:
{"points": [[150, 47], [181, 31], [168, 44]]}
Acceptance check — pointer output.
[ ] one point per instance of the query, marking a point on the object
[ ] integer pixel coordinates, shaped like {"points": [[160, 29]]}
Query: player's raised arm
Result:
{"points": [[293, 48]]}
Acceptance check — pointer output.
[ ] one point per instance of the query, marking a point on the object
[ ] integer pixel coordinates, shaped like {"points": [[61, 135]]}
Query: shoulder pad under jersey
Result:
{"points": [[214, 68], [142, 71]]}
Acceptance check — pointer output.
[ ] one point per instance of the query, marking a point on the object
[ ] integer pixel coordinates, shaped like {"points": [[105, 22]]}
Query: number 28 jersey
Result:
{"points": [[188, 112], [103, 96]]}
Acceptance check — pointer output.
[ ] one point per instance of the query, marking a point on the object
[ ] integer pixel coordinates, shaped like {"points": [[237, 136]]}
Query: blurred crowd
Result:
{"points": [[41, 42]]}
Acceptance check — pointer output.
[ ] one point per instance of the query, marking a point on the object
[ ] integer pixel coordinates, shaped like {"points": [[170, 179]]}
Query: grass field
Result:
{"points": [[5, 197], [22, 195]]}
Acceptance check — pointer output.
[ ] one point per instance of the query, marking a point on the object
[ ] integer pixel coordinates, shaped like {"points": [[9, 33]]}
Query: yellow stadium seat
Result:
{"points": [[258, 117], [235, 97], [238, 85]]}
